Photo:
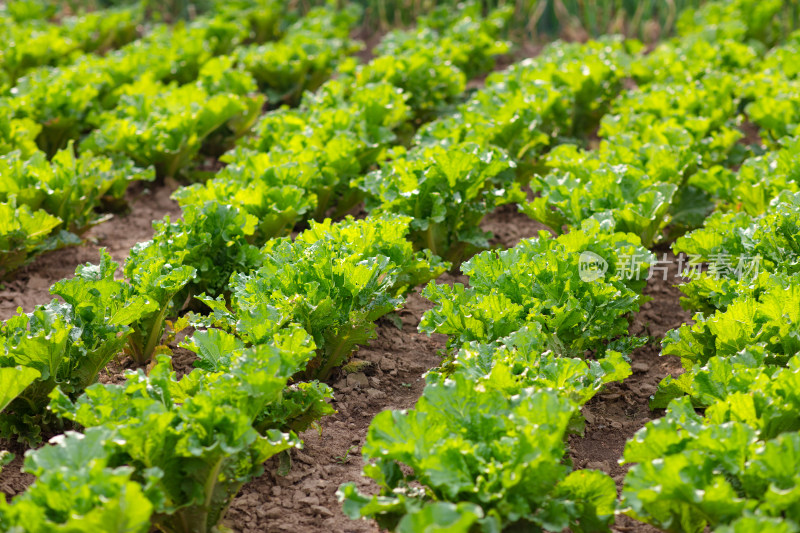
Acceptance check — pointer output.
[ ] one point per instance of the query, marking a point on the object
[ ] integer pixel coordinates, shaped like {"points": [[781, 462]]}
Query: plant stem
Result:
{"points": [[326, 370], [209, 486], [153, 338], [430, 241]]}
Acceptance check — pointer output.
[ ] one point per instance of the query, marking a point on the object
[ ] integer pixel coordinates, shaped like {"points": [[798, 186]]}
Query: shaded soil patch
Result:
{"points": [[12, 480]]}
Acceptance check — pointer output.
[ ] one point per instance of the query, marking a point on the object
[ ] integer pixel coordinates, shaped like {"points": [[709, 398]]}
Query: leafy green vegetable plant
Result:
{"points": [[68, 187], [78, 488], [733, 467], [546, 281], [67, 344], [533, 104], [745, 254], [197, 431], [744, 306], [165, 126], [15, 379], [466, 35], [304, 58], [344, 129], [277, 195], [640, 179], [40, 42], [153, 284], [333, 280], [142, 301], [303, 402], [761, 179], [739, 20], [64, 101], [766, 319], [683, 60], [522, 360], [447, 192], [711, 471], [620, 194], [23, 234], [335, 136], [211, 238], [478, 460], [18, 134], [66, 348]]}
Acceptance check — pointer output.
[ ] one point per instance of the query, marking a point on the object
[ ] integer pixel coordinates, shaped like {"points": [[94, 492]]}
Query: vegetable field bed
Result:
{"points": [[305, 500], [261, 276], [397, 359]]}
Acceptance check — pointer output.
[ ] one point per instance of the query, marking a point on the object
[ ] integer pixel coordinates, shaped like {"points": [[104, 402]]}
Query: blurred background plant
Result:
{"points": [[540, 20], [533, 20]]}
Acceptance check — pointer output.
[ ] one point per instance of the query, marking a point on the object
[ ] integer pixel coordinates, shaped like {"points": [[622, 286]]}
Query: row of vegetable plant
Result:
{"points": [[732, 466], [49, 204], [53, 105], [29, 40], [464, 445], [362, 269], [721, 458], [294, 310]]}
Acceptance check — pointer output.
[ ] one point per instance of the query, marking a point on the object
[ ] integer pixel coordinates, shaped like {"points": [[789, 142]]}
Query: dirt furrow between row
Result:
{"points": [[617, 413]]}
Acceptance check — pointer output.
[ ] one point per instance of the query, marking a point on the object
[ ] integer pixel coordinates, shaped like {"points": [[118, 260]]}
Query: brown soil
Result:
{"points": [[751, 134], [12, 479], [31, 284], [509, 226]]}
